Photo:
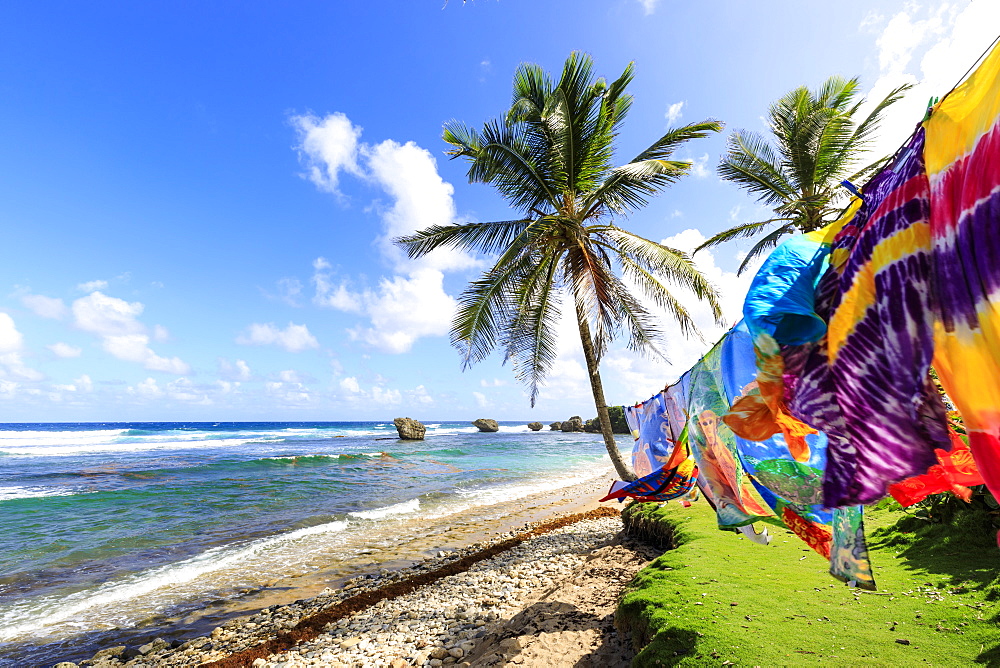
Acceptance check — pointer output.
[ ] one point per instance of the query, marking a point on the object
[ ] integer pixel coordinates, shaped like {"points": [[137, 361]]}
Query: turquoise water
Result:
{"points": [[103, 525]]}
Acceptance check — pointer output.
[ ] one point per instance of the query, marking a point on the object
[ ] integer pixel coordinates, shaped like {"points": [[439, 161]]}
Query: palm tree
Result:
{"points": [[816, 146], [551, 159]]}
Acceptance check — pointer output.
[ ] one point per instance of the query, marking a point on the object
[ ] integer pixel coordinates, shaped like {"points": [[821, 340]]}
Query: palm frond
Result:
{"points": [[530, 339], [658, 293], [486, 238], [740, 231], [765, 244], [485, 309], [751, 163]]}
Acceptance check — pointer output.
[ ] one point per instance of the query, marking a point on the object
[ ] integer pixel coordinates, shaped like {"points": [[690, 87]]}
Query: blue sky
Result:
{"points": [[196, 198]]}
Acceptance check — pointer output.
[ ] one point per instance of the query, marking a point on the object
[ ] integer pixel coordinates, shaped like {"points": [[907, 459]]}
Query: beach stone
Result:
{"points": [[486, 424], [438, 653], [259, 662], [575, 423], [457, 652], [534, 426], [109, 653], [410, 429], [555, 426], [350, 643], [65, 664]]}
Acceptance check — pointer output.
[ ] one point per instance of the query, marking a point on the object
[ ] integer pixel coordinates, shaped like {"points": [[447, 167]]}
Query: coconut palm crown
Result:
{"points": [[816, 144], [551, 158]]}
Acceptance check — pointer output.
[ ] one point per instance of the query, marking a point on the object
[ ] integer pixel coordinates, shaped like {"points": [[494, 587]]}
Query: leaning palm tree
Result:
{"points": [[551, 159], [817, 145]]}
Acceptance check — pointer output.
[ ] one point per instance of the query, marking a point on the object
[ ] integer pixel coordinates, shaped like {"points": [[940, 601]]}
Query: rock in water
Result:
{"points": [[555, 426], [534, 426], [486, 424], [410, 429], [575, 423]]}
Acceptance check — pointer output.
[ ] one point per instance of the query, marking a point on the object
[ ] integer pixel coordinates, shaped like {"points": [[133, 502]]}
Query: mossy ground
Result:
{"points": [[719, 600]]}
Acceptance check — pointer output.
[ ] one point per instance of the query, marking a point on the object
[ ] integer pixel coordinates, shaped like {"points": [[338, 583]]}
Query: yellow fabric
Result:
{"points": [[959, 120]]}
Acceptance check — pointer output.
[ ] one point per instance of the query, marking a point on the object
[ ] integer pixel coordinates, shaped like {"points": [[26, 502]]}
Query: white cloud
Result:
{"points": [[420, 395], [107, 316], [11, 345], [240, 371], [45, 307], [135, 348], [147, 389], [674, 111], [115, 322], [290, 376], [930, 46], [496, 382], [290, 395], [649, 6], [11, 340], [64, 350], [91, 286], [84, 384], [699, 167], [481, 400], [871, 20], [294, 338], [160, 334], [326, 147], [350, 384], [386, 397], [405, 309], [289, 290], [340, 298], [422, 198], [182, 389], [412, 303]]}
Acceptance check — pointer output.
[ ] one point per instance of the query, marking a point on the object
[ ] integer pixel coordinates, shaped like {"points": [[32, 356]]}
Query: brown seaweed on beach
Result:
{"points": [[312, 626]]}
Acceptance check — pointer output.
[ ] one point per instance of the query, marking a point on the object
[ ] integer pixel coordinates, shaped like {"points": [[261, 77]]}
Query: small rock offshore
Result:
{"points": [[436, 625]]}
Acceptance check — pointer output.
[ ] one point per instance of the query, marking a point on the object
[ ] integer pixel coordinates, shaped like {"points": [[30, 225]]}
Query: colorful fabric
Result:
{"points": [[655, 440], [788, 482], [872, 395], [661, 485], [722, 477], [963, 166], [954, 472], [779, 311]]}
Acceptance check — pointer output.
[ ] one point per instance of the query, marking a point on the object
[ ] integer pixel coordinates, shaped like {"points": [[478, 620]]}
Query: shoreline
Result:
{"points": [[442, 540], [545, 597]]}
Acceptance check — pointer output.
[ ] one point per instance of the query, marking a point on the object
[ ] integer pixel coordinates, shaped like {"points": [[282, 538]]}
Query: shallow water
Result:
{"points": [[107, 528]]}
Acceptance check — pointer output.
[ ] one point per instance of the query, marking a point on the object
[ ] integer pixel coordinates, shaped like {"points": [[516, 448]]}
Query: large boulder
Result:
{"points": [[592, 426], [534, 426], [575, 423], [486, 424], [410, 429], [555, 426]]}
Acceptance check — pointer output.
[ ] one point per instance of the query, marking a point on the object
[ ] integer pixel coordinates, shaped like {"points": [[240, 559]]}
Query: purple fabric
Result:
{"points": [[875, 400]]}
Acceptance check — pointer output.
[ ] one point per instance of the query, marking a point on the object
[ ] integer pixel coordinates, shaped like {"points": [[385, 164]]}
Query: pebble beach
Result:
{"points": [[496, 611]]}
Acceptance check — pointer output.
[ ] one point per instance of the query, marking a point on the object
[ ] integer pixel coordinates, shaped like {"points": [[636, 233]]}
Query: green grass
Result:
{"points": [[719, 600]]}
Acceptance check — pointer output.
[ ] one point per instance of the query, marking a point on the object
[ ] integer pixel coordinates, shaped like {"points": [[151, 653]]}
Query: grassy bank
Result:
{"points": [[716, 599]]}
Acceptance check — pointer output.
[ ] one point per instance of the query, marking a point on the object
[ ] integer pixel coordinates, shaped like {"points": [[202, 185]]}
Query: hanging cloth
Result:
{"points": [[963, 166]]}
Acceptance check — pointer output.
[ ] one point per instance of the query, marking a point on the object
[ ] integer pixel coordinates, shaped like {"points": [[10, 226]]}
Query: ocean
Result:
{"points": [[111, 532]]}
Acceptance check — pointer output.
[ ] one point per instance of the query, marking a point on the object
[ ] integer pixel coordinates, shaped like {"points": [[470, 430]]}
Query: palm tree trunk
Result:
{"points": [[621, 467]]}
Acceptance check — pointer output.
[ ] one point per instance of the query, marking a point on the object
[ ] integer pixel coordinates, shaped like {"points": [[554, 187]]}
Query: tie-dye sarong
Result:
{"points": [[872, 395], [963, 165]]}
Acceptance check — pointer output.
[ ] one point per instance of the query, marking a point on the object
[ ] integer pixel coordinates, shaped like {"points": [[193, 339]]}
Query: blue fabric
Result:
{"points": [[781, 296]]}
